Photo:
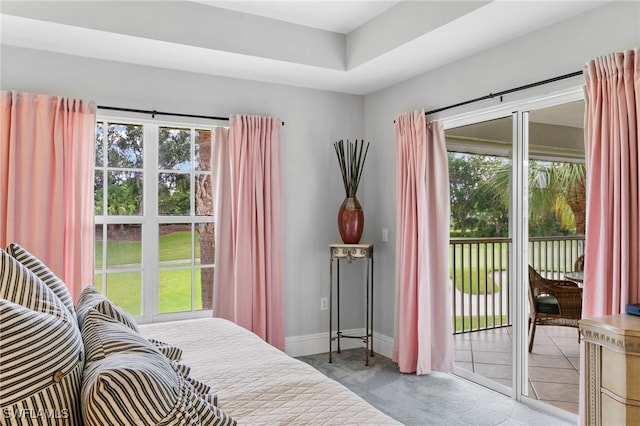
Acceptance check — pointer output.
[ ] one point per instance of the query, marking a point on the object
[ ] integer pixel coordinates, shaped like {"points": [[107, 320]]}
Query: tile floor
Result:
{"points": [[554, 363]]}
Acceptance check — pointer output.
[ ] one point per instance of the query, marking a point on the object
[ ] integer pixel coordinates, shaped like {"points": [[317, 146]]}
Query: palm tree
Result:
{"points": [[553, 187], [571, 179]]}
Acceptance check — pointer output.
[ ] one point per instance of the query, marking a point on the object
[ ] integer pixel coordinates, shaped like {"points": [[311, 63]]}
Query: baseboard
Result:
{"points": [[317, 343]]}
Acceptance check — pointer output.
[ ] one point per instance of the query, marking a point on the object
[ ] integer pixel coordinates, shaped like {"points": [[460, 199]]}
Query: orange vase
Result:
{"points": [[350, 221]]}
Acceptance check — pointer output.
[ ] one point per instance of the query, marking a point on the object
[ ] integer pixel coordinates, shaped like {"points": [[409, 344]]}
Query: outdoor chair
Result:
{"points": [[578, 265], [553, 302]]}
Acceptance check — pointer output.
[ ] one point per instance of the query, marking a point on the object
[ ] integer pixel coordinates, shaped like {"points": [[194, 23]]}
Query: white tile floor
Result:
{"points": [[554, 363]]}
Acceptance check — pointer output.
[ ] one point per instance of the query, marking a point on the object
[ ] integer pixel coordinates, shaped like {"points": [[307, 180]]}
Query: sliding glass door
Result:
{"points": [[505, 218]]}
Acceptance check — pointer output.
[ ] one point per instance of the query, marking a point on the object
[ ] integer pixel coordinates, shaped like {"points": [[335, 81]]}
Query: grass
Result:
{"points": [[479, 323], [475, 264], [476, 281], [125, 288]]}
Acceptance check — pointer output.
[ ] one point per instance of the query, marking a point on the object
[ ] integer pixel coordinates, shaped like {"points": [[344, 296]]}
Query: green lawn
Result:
{"points": [[475, 266], [479, 322], [124, 288]]}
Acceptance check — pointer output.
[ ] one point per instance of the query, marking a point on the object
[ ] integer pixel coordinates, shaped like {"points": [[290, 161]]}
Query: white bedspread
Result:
{"points": [[258, 384]]}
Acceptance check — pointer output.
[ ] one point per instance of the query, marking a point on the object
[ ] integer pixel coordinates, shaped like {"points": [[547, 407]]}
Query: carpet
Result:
{"points": [[432, 399]]}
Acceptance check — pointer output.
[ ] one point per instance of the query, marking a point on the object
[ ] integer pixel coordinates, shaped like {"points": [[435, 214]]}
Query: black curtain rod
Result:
{"points": [[505, 92], [154, 113]]}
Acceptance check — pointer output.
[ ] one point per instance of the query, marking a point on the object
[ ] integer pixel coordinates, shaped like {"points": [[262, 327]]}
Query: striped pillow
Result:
{"points": [[41, 365], [44, 273], [90, 297], [184, 370], [174, 353], [19, 285], [143, 389], [104, 336]]}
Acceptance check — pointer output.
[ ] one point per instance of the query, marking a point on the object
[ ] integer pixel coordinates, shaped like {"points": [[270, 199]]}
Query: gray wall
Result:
{"points": [[557, 50], [315, 119]]}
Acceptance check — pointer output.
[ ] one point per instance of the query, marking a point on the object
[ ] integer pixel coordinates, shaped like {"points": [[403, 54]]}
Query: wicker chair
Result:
{"points": [[553, 302], [578, 265]]}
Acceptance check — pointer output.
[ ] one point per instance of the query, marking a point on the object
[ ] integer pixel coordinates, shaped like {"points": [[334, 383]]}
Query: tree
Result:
{"points": [[206, 231], [556, 195], [493, 209], [124, 152], [464, 175], [571, 181]]}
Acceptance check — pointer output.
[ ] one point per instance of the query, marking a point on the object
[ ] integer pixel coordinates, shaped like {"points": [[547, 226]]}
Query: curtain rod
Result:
{"points": [[154, 113], [505, 92]]}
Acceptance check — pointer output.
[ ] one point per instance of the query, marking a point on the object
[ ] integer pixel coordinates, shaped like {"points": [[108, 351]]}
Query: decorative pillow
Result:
{"points": [[104, 336], [41, 364], [174, 353], [184, 370], [41, 270], [90, 297], [19, 285], [143, 389]]}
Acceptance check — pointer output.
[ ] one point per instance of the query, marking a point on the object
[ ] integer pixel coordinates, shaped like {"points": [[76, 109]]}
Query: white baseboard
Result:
{"points": [[317, 343]]}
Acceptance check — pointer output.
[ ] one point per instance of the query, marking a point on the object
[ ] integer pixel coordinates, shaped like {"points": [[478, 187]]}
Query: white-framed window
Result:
{"points": [[154, 218]]}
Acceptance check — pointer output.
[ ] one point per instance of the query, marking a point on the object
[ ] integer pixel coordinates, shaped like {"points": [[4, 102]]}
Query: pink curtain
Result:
{"points": [[612, 119], [249, 274], [612, 269], [46, 181], [423, 340]]}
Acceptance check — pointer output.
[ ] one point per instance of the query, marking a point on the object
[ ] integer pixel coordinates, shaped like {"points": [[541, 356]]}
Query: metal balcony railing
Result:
{"points": [[479, 271]]}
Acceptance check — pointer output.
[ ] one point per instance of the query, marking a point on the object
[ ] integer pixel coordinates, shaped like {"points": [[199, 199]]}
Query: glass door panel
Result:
{"points": [[557, 200], [480, 176]]}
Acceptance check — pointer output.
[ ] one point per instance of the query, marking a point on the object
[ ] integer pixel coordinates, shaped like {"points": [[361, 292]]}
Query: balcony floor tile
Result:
{"points": [[553, 364]]}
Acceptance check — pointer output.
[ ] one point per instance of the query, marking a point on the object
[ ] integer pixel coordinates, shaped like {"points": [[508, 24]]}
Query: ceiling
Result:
{"points": [[347, 46], [335, 16]]}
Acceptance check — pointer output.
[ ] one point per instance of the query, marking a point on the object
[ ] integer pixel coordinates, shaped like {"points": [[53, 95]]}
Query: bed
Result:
{"points": [[90, 364], [258, 384]]}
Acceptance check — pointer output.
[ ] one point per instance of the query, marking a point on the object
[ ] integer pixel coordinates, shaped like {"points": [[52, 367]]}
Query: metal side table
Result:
{"points": [[351, 252]]}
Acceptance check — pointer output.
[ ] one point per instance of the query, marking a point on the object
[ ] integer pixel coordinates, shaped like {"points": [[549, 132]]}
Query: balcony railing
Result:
{"points": [[479, 271]]}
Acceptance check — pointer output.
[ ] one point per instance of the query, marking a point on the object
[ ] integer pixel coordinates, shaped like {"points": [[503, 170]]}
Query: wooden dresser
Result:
{"points": [[612, 369]]}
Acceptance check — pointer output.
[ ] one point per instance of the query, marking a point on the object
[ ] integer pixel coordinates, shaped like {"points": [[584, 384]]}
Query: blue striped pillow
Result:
{"points": [[47, 276]]}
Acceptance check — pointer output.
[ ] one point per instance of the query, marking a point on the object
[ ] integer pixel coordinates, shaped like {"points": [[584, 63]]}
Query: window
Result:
{"points": [[154, 224]]}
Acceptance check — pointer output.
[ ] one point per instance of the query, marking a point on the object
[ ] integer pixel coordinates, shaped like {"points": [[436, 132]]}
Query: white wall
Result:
{"points": [[313, 120], [559, 49]]}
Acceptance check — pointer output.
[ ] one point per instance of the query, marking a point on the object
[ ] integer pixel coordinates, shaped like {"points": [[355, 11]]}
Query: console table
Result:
{"points": [[612, 368], [351, 252]]}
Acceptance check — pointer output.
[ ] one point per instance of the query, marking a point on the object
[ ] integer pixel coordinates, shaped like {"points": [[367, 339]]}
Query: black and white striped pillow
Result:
{"points": [[104, 336], [174, 353], [41, 365], [19, 285], [143, 389], [184, 370], [47, 276], [90, 297]]}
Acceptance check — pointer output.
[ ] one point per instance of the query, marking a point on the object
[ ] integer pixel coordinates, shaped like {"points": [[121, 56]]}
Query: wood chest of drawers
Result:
{"points": [[612, 369]]}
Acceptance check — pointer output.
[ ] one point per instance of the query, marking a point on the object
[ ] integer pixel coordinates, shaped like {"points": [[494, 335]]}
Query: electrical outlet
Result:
{"points": [[323, 304]]}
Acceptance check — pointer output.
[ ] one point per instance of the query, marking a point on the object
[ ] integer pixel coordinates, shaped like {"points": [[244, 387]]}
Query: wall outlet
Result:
{"points": [[324, 304]]}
